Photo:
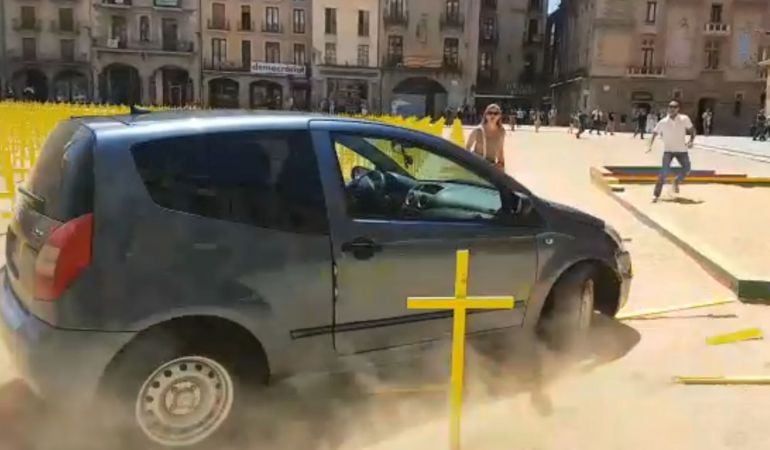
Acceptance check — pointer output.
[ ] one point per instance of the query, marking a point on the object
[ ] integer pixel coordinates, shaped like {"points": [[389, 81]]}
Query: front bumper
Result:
{"points": [[625, 273], [63, 366]]}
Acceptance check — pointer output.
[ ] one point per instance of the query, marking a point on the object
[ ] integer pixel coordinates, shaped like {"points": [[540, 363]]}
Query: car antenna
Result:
{"points": [[138, 110]]}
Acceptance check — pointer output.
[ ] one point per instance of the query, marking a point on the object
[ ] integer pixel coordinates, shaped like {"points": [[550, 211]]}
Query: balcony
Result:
{"points": [[218, 24], [118, 45], [646, 71], [716, 29], [489, 37], [452, 66], [453, 21], [392, 61], [272, 27], [225, 66], [533, 39], [246, 25], [115, 3], [393, 17], [489, 4], [762, 73], [26, 25], [487, 78], [72, 28], [35, 58]]}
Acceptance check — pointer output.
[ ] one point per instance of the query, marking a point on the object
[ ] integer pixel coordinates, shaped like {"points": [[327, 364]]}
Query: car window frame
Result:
{"points": [[378, 133]]}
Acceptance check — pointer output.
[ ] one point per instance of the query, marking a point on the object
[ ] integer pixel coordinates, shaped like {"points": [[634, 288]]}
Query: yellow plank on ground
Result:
{"points": [[737, 336], [723, 380], [664, 310]]}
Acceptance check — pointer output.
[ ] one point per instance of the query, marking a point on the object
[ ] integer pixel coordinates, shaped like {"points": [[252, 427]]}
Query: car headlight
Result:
{"points": [[613, 233]]}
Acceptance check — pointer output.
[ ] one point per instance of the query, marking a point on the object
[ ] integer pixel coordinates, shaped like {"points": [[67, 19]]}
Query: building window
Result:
{"points": [[648, 53], [195, 175], [273, 52], [453, 8], [488, 28], [363, 55], [119, 30], [738, 105], [245, 18], [451, 52], [300, 57], [532, 30], [330, 53], [716, 13], [29, 49], [652, 12], [486, 61], [218, 16], [396, 8], [298, 21], [712, 55], [330, 21], [67, 48], [272, 20], [66, 19], [218, 50], [246, 54], [363, 23], [28, 21], [396, 49], [144, 28]]}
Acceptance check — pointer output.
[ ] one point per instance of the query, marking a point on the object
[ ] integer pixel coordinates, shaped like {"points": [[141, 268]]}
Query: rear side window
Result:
{"points": [[262, 178], [61, 184]]}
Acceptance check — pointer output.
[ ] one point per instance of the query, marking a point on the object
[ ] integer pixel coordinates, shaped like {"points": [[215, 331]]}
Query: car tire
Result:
{"points": [[567, 315], [166, 391]]}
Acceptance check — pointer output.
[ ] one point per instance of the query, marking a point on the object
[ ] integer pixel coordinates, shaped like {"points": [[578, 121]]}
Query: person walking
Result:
{"points": [[760, 130], [706, 118], [582, 122], [641, 123], [538, 121], [611, 123], [512, 116], [488, 139], [673, 129], [596, 120]]}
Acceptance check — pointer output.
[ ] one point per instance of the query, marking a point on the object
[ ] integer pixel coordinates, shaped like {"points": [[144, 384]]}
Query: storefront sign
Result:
{"points": [[641, 96], [265, 68], [167, 3]]}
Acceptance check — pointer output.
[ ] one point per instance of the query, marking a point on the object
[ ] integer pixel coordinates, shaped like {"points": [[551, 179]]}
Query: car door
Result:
{"points": [[381, 259]]}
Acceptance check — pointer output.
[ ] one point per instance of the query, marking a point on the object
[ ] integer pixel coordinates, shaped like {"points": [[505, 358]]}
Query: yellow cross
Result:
{"points": [[460, 303]]}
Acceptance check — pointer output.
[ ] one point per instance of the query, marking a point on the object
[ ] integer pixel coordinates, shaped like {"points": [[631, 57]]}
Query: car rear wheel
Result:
{"points": [[167, 392], [569, 309]]}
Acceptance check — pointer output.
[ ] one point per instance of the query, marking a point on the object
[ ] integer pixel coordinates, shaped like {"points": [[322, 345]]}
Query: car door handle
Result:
{"points": [[361, 248]]}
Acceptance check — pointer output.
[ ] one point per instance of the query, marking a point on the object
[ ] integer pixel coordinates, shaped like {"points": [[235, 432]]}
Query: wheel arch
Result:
{"points": [[606, 281]]}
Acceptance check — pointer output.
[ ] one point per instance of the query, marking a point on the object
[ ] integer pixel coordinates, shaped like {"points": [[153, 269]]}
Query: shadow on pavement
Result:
{"points": [[357, 408], [683, 201]]}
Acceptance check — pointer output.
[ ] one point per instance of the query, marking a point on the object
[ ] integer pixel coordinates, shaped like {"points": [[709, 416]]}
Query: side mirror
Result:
{"points": [[520, 204]]}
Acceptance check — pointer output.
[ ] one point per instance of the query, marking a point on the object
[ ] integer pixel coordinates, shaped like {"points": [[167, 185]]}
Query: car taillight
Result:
{"points": [[63, 257]]}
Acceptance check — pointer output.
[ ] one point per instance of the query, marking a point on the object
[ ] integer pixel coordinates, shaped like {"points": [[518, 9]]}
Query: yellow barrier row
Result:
{"points": [[24, 127]]}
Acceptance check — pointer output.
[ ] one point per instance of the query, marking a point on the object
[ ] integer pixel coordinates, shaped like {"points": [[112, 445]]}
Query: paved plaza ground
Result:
{"points": [[617, 396]]}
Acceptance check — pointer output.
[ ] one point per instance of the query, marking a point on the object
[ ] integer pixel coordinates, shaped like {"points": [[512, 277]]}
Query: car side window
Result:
{"points": [[399, 180], [268, 179]]}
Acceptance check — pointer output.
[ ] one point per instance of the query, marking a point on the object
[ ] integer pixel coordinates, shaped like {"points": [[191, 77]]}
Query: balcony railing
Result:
{"points": [[272, 27], [716, 29], [452, 66], [225, 66], [533, 39], [487, 77], [26, 25], [34, 57], [392, 61], [246, 25], [117, 3], [145, 46], [73, 28], [489, 37], [452, 21], [222, 24], [646, 71], [393, 17]]}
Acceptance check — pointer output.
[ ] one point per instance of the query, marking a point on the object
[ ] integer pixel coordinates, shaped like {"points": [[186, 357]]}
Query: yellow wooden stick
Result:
{"points": [[722, 380], [659, 311], [742, 335], [460, 303]]}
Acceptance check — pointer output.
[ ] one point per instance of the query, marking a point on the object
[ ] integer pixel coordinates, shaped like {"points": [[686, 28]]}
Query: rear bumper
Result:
{"points": [[58, 365]]}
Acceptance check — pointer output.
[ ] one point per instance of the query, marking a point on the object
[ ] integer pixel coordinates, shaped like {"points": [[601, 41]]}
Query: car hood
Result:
{"points": [[573, 214]]}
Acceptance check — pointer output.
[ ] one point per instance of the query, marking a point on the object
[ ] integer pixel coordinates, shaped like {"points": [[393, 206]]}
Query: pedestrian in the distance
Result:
{"points": [[673, 129], [582, 121], [611, 123], [596, 121], [641, 123], [760, 130], [538, 121], [488, 139], [706, 119]]}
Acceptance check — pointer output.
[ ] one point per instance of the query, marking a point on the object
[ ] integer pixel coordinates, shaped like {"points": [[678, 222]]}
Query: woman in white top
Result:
{"points": [[488, 139]]}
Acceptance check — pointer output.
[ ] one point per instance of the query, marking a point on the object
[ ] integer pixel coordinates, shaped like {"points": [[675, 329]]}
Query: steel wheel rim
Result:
{"points": [[586, 305], [184, 401]]}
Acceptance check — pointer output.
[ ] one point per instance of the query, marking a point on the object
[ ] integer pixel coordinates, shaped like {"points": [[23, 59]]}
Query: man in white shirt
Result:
{"points": [[673, 129]]}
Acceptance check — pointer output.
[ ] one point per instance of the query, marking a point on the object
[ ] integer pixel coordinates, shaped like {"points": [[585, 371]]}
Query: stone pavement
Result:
{"points": [[739, 146]]}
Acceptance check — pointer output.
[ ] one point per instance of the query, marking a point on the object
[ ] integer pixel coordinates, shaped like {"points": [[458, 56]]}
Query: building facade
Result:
{"points": [[46, 47], [256, 53], [622, 55], [146, 51], [428, 54], [3, 61], [511, 43], [346, 75]]}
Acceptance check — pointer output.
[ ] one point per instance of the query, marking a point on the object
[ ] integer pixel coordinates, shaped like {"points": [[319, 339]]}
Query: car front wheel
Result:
{"points": [[567, 315]]}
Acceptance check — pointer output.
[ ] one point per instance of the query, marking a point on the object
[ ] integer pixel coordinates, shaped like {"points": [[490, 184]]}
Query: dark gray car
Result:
{"points": [[172, 259]]}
